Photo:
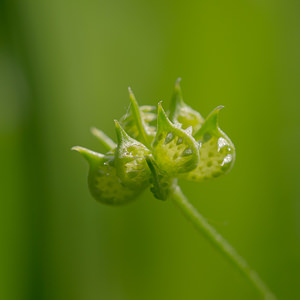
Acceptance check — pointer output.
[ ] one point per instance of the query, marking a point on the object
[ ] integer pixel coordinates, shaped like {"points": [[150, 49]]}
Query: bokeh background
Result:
{"points": [[65, 66]]}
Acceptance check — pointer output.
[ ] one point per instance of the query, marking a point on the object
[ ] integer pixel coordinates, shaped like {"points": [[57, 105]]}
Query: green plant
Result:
{"points": [[156, 148]]}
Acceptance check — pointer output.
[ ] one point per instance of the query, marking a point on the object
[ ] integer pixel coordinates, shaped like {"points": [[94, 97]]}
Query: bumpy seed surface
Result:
{"points": [[173, 153], [135, 171], [189, 117], [107, 188], [216, 158]]}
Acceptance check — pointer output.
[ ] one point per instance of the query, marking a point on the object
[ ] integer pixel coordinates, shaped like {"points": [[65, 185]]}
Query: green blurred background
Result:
{"points": [[65, 66]]}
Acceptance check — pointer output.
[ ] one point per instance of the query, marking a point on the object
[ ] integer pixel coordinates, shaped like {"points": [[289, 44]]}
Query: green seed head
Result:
{"points": [[154, 150]]}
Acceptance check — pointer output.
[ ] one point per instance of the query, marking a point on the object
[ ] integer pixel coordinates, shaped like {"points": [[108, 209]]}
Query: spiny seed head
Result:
{"points": [[154, 148]]}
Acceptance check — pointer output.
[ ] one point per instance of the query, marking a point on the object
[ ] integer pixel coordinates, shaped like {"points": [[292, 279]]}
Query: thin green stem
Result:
{"points": [[220, 243]]}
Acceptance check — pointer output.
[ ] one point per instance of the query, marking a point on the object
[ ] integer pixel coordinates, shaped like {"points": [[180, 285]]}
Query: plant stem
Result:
{"points": [[219, 242]]}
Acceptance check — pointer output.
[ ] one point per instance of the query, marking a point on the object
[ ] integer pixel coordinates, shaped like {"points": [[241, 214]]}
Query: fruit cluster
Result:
{"points": [[155, 148]]}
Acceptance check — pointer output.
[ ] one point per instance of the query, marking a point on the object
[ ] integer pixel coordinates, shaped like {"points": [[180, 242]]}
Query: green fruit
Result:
{"points": [[104, 184], [174, 150], [182, 113], [154, 149], [216, 151], [140, 122], [130, 160]]}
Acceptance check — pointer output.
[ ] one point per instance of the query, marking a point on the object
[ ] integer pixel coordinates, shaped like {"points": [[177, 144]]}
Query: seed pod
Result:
{"points": [[174, 150], [183, 113], [140, 122], [104, 184], [131, 165], [162, 184], [217, 152]]}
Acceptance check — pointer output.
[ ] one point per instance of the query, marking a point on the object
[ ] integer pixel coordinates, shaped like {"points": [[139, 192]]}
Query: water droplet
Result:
{"points": [[227, 159], [179, 141], [187, 152], [169, 137]]}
